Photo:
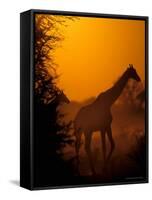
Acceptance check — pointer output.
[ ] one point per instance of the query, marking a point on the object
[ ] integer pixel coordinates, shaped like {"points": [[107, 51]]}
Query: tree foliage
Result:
{"points": [[50, 135], [48, 36]]}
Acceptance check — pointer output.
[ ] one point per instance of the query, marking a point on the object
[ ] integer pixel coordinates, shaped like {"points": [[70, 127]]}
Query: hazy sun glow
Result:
{"points": [[96, 51]]}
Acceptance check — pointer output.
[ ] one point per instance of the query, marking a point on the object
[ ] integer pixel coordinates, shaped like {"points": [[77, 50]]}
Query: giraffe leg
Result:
{"points": [[78, 141], [103, 145], [88, 136], [109, 133]]}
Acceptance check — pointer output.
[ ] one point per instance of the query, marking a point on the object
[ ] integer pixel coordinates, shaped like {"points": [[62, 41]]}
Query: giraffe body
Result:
{"points": [[97, 117], [91, 118]]}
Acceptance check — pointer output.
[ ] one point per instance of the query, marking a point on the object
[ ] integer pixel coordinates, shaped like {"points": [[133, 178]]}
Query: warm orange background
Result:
{"points": [[95, 52]]}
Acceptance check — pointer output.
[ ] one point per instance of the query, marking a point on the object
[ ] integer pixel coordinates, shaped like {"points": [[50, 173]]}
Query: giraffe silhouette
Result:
{"points": [[97, 117]]}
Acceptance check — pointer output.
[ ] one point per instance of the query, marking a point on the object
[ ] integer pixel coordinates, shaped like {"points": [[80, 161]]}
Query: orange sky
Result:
{"points": [[95, 52]]}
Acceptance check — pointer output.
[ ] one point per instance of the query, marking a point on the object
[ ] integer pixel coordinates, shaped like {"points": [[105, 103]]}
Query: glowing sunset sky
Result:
{"points": [[95, 53]]}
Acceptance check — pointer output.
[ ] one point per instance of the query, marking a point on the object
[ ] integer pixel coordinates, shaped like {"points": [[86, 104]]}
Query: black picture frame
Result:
{"points": [[26, 95]]}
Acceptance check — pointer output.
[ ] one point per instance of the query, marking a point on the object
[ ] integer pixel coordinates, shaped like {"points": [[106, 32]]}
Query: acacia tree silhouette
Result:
{"points": [[49, 134]]}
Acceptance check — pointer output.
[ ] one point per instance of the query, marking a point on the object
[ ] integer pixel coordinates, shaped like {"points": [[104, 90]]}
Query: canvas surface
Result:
{"points": [[89, 100]]}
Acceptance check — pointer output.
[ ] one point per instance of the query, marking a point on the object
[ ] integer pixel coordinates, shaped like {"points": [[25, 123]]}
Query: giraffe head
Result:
{"points": [[132, 73]]}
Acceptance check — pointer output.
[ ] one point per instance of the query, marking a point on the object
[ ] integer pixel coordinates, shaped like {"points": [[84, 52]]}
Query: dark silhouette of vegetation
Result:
{"points": [[138, 153], [50, 134]]}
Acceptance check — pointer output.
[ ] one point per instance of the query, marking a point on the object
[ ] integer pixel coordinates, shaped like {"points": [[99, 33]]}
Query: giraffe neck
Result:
{"points": [[117, 89], [108, 97]]}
